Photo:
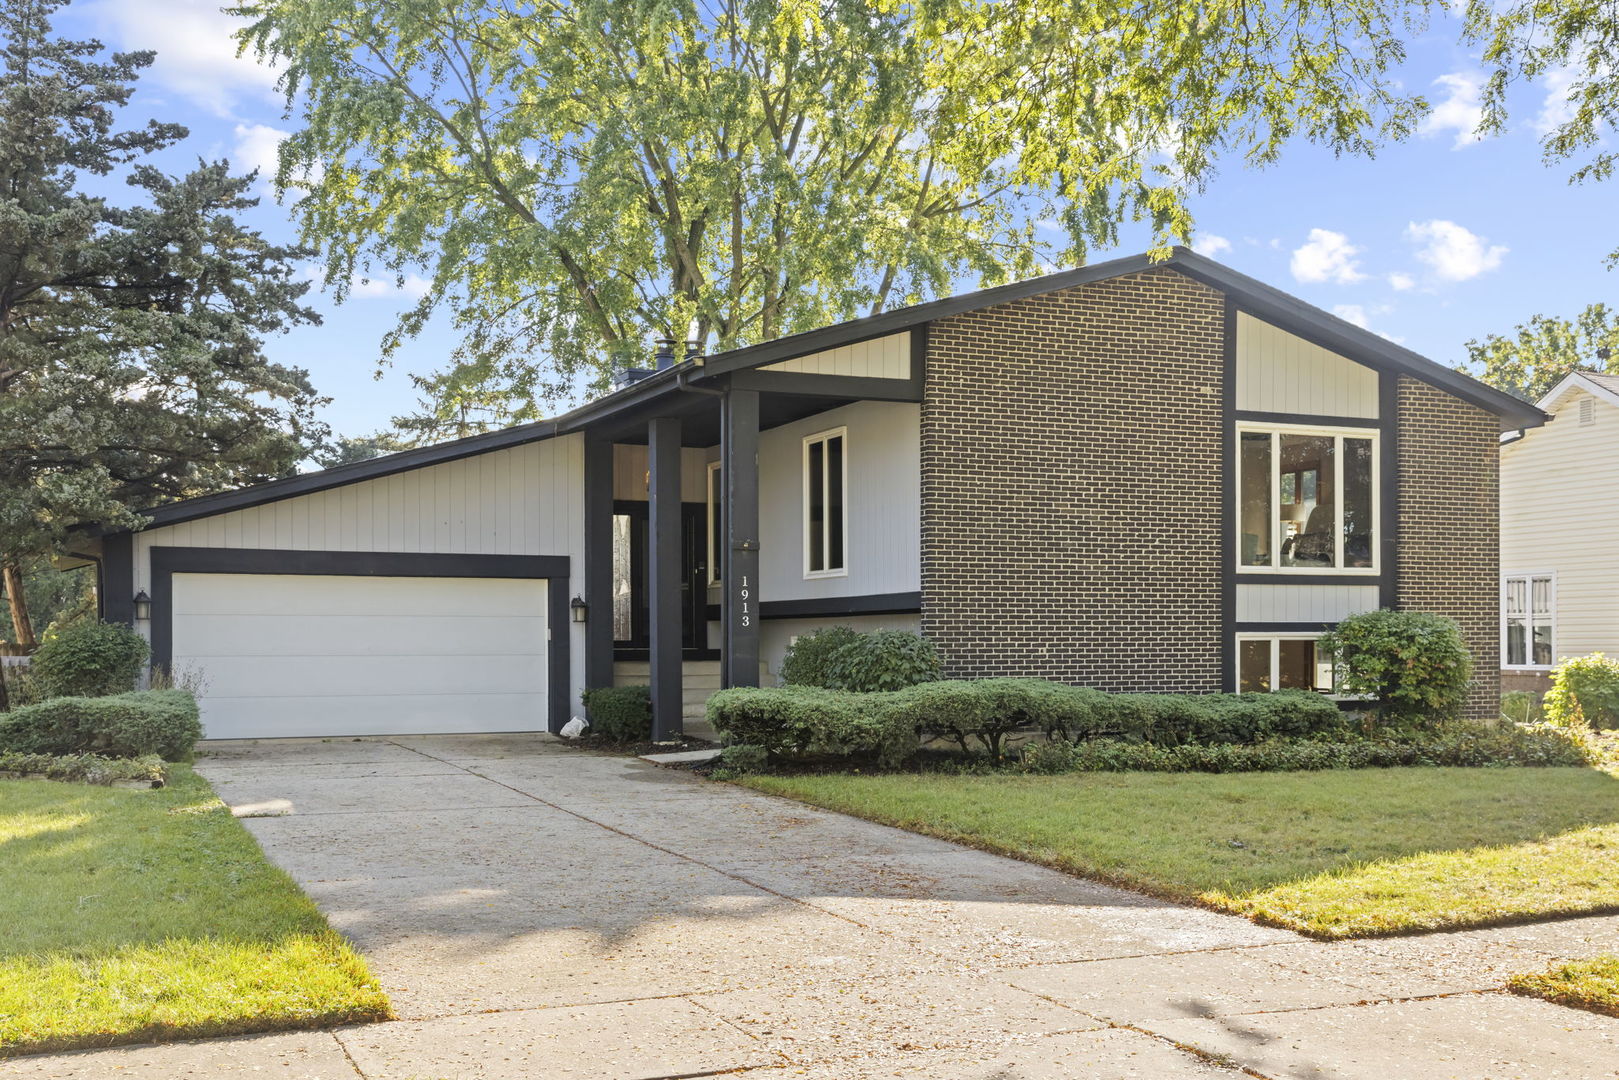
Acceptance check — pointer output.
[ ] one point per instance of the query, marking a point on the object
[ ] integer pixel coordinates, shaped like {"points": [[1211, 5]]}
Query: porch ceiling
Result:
{"points": [[699, 416]]}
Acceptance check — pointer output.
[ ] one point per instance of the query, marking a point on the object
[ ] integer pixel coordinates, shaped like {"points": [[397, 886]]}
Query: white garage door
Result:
{"points": [[296, 654]]}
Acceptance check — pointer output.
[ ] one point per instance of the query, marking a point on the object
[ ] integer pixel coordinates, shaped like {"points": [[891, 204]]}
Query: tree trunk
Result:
{"points": [[19, 605]]}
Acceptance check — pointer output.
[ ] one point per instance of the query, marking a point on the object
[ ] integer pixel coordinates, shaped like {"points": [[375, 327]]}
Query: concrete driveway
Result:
{"points": [[538, 912]]}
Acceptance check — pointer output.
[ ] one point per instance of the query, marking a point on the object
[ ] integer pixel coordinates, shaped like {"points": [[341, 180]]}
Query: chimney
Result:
{"points": [[665, 355]]}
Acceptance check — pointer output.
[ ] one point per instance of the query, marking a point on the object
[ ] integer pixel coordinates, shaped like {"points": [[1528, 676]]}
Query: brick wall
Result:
{"points": [[1449, 542], [1071, 486]]}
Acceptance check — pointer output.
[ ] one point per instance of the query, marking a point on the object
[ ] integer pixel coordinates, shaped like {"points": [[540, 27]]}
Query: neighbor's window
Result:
{"points": [[1306, 500], [1267, 663], [716, 534], [1527, 620], [825, 517]]}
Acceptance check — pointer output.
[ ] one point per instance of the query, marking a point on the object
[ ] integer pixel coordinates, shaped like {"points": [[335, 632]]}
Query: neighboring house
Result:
{"points": [[1153, 476], [1560, 573]]}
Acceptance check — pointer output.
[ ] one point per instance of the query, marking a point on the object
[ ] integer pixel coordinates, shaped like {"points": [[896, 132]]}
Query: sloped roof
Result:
{"points": [[1254, 296]]}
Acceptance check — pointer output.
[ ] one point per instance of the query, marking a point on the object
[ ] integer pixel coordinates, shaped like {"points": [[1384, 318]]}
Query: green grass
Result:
{"points": [[1585, 984], [1332, 854], [132, 916]]}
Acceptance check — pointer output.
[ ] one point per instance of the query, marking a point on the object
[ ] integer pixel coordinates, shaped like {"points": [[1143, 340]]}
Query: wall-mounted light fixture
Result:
{"points": [[579, 609], [143, 606]]}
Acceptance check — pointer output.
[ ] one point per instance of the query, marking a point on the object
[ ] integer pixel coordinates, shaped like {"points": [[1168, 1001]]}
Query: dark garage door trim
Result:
{"points": [[168, 561]]}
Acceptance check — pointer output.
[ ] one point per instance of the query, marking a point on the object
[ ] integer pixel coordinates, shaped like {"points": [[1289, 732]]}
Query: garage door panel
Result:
{"points": [[404, 714], [359, 635], [321, 594], [297, 655], [303, 676]]}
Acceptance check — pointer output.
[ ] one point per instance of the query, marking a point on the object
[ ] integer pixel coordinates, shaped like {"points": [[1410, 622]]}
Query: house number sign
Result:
{"points": [[743, 595]]}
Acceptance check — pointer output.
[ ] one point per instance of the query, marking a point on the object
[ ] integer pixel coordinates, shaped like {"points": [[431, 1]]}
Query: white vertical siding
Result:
{"points": [[1280, 372], [1303, 603], [526, 500], [884, 450], [880, 358], [1560, 512]]}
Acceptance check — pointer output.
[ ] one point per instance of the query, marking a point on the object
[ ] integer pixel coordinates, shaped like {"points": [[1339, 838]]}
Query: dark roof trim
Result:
{"points": [[1253, 296]]}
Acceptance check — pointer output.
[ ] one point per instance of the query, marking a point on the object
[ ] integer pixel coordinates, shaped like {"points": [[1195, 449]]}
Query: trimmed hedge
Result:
{"points": [[797, 720], [133, 725], [89, 658], [623, 713], [808, 661], [84, 768], [1456, 745]]}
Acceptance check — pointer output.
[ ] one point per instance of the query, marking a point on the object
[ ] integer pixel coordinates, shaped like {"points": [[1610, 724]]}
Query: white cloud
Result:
{"points": [[1557, 108], [1460, 111], [1452, 252], [1400, 281], [1327, 256], [362, 288], [196, 54], [1353, 313], [1210, 245], [257, 146]]}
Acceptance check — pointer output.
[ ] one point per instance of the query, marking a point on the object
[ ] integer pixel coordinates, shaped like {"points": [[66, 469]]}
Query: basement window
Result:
{"points": [[1268, 662], [826, 520]]}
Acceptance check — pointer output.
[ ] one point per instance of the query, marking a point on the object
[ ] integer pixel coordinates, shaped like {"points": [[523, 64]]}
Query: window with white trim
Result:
{"points": [[1528, 620], [1268, 662], [826, 519], [716, 533], [1307, 499]]}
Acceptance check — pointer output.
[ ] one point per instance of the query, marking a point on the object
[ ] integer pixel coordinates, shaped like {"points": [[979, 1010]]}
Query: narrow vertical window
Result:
{"points": [[1528, 621], [1255, 499], [825, 503], [716, 524]]}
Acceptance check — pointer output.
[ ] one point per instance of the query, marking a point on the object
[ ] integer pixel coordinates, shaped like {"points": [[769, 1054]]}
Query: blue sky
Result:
{"points": [[1433, 242]]}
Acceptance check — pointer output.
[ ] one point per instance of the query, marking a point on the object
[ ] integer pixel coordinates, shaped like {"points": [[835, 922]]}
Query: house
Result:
{"points": [[1137, 475], [1560, 576]]}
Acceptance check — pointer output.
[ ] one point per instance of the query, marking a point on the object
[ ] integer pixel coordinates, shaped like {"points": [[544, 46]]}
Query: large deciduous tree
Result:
{"points": [[1539, 353], [131, 367], [579, 176]]}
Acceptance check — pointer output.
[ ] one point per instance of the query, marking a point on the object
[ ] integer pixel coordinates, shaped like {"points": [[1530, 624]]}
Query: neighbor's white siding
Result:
{"points": [[1279, 372], [884, 449], [1303, 603], [880, 358], [526, 500], [1560, 512]]}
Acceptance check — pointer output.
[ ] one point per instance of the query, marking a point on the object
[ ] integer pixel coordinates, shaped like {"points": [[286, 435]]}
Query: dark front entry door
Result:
{"points": [[630, 610]]}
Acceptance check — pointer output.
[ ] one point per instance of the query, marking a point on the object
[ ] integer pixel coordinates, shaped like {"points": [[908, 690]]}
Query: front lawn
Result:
{"points": [[1333, 854], [144, 915], [1584, 984]]}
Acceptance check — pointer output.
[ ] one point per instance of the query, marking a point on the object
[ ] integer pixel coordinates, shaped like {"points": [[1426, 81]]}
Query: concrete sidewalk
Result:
{"points": [[537, 912]]}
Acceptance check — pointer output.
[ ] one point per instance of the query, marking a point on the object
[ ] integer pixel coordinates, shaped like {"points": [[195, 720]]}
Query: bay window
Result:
{"points": [[1306, 499]]}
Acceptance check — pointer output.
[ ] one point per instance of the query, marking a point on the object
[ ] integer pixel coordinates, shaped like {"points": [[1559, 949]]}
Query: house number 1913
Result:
{"points": [[743, 593]]}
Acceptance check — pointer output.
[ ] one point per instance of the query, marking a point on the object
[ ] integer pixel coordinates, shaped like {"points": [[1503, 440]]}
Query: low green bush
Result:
{"points": [[808, 661], [1453, 744], [1522, 707], [161, 722], [84, 768], [89, 658], [1411, 663], [622, 713], [1585, 693], [797, 720]]}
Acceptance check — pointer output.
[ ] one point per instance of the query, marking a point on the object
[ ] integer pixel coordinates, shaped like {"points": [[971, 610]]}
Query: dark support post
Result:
{"points": [[598, 562], [117, 579], [739, 464], [663, 575]]}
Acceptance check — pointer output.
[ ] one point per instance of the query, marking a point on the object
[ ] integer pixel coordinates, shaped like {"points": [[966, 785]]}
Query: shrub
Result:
{"points": [[1452, 744], [89, 658], [22, 685], [1585, 693], [1521, 707], [623, 713], [808, 661], [161, 722], [809, 720], [1411, 663], [883, 660], [83, 768]]}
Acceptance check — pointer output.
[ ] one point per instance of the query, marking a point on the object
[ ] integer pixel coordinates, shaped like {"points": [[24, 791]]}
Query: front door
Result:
{"points": [[631, 613]]}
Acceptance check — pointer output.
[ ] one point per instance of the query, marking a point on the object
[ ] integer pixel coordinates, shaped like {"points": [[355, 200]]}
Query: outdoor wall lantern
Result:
{"points": [[143, 606], [580, 610]]}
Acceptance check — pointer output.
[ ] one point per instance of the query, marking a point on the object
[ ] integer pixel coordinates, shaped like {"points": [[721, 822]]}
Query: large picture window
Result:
{"points": [[1306, 499], [826, 475], [1528, 620]]}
